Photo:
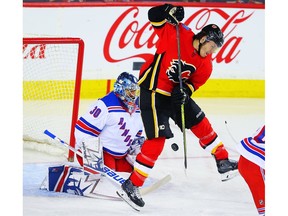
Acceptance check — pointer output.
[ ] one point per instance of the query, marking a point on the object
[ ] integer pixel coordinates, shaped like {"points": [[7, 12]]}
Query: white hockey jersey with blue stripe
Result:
{"points": [[253, 148], [108, 119]]}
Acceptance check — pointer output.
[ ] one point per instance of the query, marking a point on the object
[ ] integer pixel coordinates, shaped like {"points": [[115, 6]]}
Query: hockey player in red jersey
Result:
{"points": [[161, 96], [252, 166]]}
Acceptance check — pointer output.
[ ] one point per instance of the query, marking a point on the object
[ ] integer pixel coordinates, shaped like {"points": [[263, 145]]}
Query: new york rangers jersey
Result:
{"points": [[108, 119], [253, 148]]}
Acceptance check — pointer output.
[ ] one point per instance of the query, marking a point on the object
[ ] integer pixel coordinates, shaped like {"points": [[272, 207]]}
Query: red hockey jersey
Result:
{"points": [[160, 74]]}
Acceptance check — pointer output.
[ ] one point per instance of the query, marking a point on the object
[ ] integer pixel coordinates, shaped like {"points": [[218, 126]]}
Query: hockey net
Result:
{"points": [[52, 71]]}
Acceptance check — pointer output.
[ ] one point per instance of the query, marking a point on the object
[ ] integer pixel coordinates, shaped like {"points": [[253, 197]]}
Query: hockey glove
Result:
{"points": [[174, 14], [136, 145], [134, 149], [179, 97]]}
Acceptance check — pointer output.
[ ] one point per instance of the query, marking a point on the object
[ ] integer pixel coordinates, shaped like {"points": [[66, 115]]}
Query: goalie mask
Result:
{"points": [[127, 89]]}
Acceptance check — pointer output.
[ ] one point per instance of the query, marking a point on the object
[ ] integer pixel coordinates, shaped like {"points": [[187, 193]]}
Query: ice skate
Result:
{"points": [[227, 168], [133, 193]]}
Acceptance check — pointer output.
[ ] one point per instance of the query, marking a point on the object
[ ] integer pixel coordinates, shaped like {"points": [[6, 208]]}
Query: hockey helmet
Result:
{"points": [[213, 33], [127, 89]]}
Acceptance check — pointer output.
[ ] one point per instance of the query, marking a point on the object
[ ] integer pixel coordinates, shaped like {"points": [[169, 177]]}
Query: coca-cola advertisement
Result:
{"points": [[120, 38]]}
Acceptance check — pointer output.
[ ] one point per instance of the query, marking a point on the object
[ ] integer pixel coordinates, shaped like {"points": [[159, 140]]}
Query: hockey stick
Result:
{"points": [[114, 177], [109, 173], [181, 89], [226, 124], [156, 185]]}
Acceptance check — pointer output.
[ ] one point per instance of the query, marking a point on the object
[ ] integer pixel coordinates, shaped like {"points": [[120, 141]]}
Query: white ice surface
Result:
{"points": [[197, 191]]}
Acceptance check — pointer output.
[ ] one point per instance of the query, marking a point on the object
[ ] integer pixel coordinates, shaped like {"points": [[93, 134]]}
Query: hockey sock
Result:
{"points": [[219, 151], [209, 139], [146, 159]]}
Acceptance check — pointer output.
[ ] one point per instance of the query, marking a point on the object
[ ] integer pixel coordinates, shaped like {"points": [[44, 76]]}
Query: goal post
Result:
{"points": [[52, 74]]}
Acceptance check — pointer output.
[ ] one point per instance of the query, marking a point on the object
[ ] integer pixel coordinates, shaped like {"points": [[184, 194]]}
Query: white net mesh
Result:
{"points": [[49, 74]]}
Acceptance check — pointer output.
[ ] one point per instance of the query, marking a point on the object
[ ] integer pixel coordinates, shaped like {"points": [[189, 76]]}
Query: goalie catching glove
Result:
{"points": [[136, 145], [134, 149], [174, 14]]}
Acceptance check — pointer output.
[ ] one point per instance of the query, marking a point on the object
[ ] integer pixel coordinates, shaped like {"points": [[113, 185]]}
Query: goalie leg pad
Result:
{"points": [[70, 180]]}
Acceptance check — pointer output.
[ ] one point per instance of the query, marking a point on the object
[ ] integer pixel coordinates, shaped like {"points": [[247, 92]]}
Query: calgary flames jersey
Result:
{"points": [[160, 74]]}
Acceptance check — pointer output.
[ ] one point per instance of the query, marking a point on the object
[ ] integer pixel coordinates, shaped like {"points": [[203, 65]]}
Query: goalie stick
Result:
{"points": [[114, 177]]}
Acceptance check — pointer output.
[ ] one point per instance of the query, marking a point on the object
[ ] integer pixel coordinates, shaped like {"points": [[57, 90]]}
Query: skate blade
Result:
{"points": [[127, 200], [229, 175]]}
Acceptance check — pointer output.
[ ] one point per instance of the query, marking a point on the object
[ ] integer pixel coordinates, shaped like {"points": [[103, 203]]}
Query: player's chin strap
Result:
{"points": [[200, 45]]}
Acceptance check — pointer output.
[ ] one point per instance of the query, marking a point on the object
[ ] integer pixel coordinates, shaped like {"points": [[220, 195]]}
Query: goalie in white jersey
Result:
{"points": [[115, 120]]}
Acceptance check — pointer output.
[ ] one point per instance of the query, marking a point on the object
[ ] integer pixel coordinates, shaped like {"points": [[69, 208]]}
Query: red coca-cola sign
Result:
{"points": [[136, 34]]}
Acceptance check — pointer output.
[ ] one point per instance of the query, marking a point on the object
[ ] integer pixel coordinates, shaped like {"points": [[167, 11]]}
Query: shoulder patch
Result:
{"points": [[186, 27]]}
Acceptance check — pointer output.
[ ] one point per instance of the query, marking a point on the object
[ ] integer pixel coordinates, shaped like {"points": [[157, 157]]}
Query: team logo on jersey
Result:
{"points": [[173, 71]]}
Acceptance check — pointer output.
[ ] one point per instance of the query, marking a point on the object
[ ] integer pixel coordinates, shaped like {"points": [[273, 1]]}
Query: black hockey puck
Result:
{"points": [[175, 147]]}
